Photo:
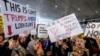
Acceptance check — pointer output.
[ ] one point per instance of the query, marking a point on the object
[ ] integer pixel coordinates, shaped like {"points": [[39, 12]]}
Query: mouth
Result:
{"points": [[79, 45]]}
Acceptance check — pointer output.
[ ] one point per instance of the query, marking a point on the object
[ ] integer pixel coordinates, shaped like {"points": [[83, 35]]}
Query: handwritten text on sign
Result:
{"points": [[17, 18], [42, 31], [92, 29], [64, 27]]}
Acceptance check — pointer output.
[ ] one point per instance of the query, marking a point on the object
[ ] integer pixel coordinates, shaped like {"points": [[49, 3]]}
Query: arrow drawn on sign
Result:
{"points": [[54, 30], [9, 30]]}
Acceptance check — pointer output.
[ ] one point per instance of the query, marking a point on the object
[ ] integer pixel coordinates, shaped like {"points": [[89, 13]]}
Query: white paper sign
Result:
{"points": [[42, 31], [92, 29], [17, 18], [67, 26]]}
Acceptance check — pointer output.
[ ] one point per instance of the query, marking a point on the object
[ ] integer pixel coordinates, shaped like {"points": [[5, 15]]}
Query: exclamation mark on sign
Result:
{"points": [[9, 30]]}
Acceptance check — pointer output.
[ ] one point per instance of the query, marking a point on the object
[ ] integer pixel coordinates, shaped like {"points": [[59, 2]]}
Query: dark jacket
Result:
{"points": [[48, 46], [27, 40], [4, 50], [92, 46]]}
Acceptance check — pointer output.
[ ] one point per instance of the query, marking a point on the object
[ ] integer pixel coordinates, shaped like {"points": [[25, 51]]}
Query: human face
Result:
{"points": [[80, 43], [35, 45], [16, 44], [21, 39], [59, 42], [74, 38], [1, 38]]}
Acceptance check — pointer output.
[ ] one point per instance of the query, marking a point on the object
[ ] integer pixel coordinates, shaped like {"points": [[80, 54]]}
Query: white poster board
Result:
{"points": [[17, 18], [42, 31], [92, 29], [67, 26]]}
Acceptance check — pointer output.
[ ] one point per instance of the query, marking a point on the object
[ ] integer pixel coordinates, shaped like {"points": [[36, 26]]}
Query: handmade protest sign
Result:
{"points": [[17, 18], [42, 31], [1, 22], [56, 32], [67, 26], [92, 29]]}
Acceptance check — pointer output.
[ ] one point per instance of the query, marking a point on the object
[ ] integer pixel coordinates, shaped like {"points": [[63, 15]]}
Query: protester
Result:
{"points": [[2, 44], [40, 51], [48, 47], [98, 45], [25, 45], [9, 48], [35, 48], [24, 40], [31, 50], [92, 45], [6, 46], [18, 49], [79, 49]]}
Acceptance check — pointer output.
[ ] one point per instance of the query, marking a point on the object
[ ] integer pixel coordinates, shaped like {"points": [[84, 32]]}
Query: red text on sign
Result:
{"points": [[12, 17]]}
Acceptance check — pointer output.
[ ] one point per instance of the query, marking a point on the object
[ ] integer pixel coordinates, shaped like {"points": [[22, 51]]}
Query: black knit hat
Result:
{"points": [[15, 37]]}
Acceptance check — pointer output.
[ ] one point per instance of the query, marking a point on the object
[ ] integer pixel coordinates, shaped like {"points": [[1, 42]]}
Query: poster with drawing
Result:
{"points": [[64, 27]]}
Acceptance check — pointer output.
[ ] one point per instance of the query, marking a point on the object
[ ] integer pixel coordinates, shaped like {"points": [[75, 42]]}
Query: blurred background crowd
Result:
{"points": [[26, 44]]}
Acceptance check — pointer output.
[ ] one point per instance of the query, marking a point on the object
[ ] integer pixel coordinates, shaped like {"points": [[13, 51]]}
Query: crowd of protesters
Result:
{"points": [[29, 45]]}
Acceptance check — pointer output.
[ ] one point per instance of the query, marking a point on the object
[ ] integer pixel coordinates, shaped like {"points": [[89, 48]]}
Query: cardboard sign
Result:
{"points": [[67, 26], [92, 29], [42, 31], [17, 18], [1, 23]]}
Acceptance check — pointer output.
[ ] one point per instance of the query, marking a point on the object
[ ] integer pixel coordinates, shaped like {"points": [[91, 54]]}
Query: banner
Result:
{"points": [[42, 31], [17, 18], [92, 29], [67, 26], [1, 23]]}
